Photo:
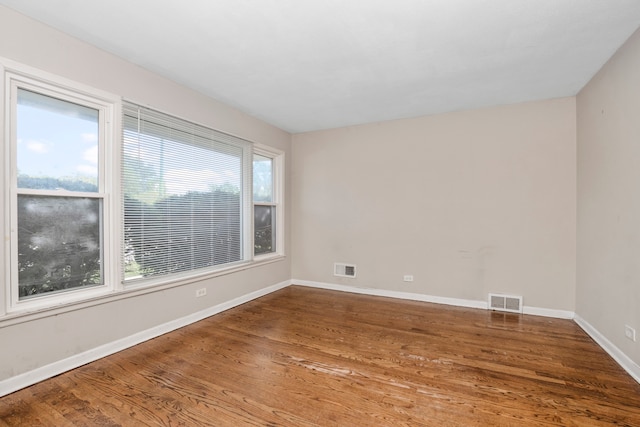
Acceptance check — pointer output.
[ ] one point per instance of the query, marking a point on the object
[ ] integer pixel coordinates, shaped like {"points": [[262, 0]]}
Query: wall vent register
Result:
{"points": [[510, 303], [344, 270]]}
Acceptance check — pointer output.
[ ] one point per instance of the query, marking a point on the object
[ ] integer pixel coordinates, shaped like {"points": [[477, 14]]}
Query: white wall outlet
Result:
{"points": [[201, 292], [408, 278], [630, 333]]}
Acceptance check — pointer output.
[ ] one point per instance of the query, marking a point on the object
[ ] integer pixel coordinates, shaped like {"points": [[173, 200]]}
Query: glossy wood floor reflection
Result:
{"points": [[308, 357]]}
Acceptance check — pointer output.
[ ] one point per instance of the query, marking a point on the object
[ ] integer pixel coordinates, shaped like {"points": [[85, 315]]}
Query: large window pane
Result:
{"points": [[57, 144], [59, 244], [182, 188], [264, 229]]}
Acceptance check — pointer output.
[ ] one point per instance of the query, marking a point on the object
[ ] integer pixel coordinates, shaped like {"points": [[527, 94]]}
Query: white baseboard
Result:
{"points": [[548, 312], [26, 379], [537, 311], [622, 359], [393, 294]]}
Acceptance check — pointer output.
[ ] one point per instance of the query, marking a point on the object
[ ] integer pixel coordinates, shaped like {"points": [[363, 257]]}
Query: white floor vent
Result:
{"points": [[508, 303], [344, 270]]}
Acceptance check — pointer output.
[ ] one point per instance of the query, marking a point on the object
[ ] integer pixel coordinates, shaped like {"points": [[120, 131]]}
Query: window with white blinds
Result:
{"points": [[186, 196]]}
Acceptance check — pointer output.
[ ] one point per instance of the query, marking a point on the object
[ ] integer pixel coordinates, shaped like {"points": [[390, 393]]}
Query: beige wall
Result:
{"points": [[608, 267], [469, 203], [30, 345]]}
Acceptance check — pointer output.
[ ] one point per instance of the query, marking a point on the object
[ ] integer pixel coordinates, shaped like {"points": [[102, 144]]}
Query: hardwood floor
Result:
{"points": [[309, 357]]}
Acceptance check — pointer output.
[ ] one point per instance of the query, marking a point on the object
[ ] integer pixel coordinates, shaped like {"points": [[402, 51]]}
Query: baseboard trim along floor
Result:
{"points": [[618, 355], [29, 378], [26, 379]]}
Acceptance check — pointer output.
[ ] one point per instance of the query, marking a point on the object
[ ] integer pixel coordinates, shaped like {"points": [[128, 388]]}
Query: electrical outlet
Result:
{"points": [[630, 333], [408, 278], [201, 292]]}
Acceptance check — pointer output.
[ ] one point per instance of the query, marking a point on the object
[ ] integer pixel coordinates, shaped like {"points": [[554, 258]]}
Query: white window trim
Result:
{"points": [[18, 76], [218, 137], [278, 159]]}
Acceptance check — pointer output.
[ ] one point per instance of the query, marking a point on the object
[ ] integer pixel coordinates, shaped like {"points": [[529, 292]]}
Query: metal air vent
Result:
{"points": [[344, 270], [508, 303]]}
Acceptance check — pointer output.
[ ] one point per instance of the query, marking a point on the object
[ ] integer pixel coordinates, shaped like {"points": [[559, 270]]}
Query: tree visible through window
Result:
{"points": [[186, 205], [59, 205], [264, 205], [183, 195]]}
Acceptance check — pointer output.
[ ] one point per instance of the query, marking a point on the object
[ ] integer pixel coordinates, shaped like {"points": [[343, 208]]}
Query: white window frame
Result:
{"points": [[17, 77], [176, 279], [278, 160]]}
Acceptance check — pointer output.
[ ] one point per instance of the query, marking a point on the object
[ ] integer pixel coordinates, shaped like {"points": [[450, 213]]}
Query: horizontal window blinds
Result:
{"points": [[185, 195]]}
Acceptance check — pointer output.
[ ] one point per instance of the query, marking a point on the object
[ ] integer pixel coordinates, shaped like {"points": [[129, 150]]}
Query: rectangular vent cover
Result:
{"points": [[344, 270], [508, 303]]}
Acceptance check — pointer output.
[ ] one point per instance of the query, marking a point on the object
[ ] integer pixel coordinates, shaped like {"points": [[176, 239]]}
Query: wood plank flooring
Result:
{"points": [[310, 357]]}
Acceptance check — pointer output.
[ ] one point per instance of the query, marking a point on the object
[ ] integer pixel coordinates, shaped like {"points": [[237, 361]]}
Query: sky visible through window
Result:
{"points": [[56, 139], [164, 160], [59, 139]]}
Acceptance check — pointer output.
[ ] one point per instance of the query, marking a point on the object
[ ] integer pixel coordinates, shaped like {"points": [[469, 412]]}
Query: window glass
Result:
{"points": [[264, 204], [262, 179], [57, 144], [182, 191], [264, 229], [59, 244]]}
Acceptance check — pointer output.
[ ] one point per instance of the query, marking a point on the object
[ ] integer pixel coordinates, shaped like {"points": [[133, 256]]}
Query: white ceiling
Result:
{"points": [[314, 64]]}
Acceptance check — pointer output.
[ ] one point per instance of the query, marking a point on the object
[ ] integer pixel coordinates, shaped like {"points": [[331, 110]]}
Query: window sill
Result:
{"points": [[131, 291]]}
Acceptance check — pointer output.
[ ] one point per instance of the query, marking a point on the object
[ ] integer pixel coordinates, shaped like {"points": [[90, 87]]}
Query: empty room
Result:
{"points": [[320, 213]]}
